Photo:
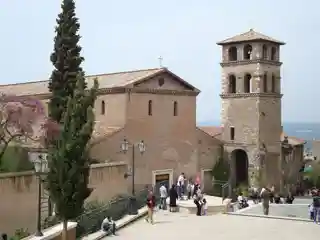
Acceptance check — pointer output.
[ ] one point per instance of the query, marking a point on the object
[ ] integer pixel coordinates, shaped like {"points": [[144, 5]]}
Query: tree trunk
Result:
{"points": [[65, 230]]}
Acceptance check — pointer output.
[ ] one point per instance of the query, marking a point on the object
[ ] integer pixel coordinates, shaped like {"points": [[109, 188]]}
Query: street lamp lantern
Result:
{"points": [[124, 146], [142, 147], [40, 165]]}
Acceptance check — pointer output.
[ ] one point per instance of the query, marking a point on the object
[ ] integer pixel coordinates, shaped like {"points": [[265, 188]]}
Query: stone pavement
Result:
{"points": [[170, 225]]}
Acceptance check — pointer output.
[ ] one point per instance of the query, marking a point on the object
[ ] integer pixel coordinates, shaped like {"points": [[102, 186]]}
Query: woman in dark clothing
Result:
{"points": [[198, 204], [173, 195], [289, 198]]}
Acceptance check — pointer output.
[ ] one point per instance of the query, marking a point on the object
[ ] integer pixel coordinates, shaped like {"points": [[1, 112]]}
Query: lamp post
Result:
{"points": [[125, 145], [40, 166]]}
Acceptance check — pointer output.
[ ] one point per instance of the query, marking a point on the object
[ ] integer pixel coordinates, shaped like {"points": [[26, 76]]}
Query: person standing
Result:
{"points": [[265, 196], [316, 208], [173, 195], [180, 185], [198, 203], [151, 203], [189, 189], [163, 197]]}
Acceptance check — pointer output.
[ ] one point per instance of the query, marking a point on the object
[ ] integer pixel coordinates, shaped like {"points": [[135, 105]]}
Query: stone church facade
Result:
{"points": [[159, 107]]}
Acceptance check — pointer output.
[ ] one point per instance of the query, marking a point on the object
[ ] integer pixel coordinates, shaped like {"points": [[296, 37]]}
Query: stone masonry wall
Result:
{"points": [[19, 192]]}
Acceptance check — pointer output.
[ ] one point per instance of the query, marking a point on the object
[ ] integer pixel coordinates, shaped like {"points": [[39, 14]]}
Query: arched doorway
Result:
{"points": [[241, 166]]}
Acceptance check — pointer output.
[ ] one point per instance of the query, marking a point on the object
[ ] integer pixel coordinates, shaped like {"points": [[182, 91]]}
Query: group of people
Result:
{"points": [[184, 189], [314, 207], [266, 196]]}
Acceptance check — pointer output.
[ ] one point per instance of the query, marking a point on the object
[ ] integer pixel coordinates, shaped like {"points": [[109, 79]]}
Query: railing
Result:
{"points": [[224, 187], [95, 212]]}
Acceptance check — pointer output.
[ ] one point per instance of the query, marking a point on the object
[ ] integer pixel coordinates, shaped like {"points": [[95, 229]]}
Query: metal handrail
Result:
{"points": [[223, 187]]}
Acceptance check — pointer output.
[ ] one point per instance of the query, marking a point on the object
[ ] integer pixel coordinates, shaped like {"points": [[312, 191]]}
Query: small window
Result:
{"points": [[247, 83], [232, 54], [231, 133], [103, 107], [265, 83], [150, 108], [161, 81], [273, 54], [264, 52], [175, 108], [273, 84], [247, 52], [232, 84]]}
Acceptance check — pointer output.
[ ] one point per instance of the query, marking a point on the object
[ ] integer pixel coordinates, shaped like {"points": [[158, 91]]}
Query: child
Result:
{"points": [[311, 211], [204, 207]]}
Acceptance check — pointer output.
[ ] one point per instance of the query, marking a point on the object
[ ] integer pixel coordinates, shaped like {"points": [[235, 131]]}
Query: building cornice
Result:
{"points": [[250, 95], [247, 62], [118, 90], [165, 92]]}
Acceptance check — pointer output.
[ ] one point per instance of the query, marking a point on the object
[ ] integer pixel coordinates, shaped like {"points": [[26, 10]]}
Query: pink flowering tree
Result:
{"points": [[23, 121]]}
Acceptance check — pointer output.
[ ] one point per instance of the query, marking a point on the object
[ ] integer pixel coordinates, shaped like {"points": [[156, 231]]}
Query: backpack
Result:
{"points": [[316, 202]]}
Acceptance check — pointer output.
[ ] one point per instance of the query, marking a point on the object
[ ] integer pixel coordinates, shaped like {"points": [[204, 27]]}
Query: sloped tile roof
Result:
{"points": [[109, 80], [211, 130], [251, 35], [214, 131]]}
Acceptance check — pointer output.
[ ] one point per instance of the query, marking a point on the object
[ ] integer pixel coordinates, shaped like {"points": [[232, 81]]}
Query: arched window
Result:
{"points": [[247, 83], [273, 83], [103, 107], [232, 84], [273, 54], [232, 54], [247, 52], [264, 52], [150, 108], [265, 83], [175, 108]]}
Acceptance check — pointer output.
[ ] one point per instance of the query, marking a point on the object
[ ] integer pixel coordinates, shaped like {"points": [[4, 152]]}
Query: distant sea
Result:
{"points": [[306, 131]]}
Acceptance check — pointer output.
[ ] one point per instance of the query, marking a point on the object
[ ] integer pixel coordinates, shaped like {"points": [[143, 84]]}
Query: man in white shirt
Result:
{"points": [[163, 197], [180, 185]]}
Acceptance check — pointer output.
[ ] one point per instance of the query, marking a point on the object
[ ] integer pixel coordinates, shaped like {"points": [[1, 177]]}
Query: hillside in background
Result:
{"points": [[306, 131]]}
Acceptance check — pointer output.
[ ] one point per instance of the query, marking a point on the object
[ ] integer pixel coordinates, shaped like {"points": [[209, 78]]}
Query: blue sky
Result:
{"points": [[125, 35]]}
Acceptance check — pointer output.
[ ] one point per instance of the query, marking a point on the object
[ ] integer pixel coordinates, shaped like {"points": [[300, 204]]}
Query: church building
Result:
{"points": [[159, 108]]}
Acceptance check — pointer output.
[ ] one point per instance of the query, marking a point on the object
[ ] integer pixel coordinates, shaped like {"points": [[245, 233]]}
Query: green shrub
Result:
{"points": [[95, 212], [220, 173], [20, 233], [15, 159]]}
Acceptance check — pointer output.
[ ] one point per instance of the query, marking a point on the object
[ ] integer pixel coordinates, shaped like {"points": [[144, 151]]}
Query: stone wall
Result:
{"points": [[18, 201]]}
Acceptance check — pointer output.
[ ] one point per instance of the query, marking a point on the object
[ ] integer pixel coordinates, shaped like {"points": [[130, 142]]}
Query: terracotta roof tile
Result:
{"points": [[110, 80], [211, 130], [293, 140], [216, 130], [251, 35]]}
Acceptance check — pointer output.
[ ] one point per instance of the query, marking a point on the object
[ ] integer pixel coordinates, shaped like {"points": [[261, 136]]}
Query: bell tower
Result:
{"points": [[251, 107]]}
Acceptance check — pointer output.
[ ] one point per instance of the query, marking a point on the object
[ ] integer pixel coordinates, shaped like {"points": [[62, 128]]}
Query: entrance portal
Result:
{"points": [[240, 158], [162, 179]]}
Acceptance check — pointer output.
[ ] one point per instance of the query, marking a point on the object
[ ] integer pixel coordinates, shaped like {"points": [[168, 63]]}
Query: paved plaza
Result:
{"points": [[169, 226]]}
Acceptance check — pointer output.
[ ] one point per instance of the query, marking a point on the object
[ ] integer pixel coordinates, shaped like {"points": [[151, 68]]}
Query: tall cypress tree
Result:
{"points": [[71, 105], [66, 60]]}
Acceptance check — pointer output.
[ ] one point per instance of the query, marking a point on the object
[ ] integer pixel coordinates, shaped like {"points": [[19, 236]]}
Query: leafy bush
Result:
{"points": [[95, 212], [20, 233], [220, 173], [15, 159]]}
